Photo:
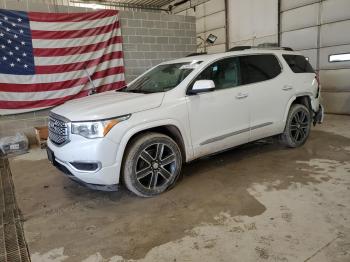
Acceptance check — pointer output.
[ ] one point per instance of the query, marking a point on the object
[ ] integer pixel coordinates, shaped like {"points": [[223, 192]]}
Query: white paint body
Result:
{"points": [[208, 122]]}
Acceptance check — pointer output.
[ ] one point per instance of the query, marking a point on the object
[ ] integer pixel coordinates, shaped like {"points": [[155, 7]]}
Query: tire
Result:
{"points": [[151, 165], [298, 126]]}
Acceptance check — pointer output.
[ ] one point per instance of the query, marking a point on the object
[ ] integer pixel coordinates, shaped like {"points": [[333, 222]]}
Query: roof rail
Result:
{"points": [[240, 48], [195, 54]]}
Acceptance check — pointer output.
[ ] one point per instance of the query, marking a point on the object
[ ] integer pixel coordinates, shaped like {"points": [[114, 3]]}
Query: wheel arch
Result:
{"points": [[166, 127], [303, 99], [169, 130]]}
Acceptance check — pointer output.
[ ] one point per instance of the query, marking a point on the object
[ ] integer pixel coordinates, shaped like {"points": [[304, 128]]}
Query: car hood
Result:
{"points": [[107, 105]]}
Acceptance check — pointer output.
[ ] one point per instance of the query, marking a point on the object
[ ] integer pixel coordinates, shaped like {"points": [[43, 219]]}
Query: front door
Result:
{"points": [[219, 119]]}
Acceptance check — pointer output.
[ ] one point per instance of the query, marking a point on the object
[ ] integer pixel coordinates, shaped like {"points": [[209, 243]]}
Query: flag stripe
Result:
{"points": [[51, 78], [54, 69], [56, 43], [48, 52], [55, 101], [53, 26], [32, 96], [39, 34], [48, 78], [59, 85], [68, 59], [73, 17]]}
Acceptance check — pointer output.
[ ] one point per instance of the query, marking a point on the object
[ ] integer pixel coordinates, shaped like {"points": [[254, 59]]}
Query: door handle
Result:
{"points": [[241, 95], [287, 88]]}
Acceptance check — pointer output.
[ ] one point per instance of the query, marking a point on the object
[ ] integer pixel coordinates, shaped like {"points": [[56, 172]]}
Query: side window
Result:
{"points": [[225, 73], [298, 64], [257, 68]]}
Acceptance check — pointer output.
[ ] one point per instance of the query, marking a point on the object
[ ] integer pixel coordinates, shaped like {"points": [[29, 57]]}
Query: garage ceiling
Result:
{"points": [[147, 4]]}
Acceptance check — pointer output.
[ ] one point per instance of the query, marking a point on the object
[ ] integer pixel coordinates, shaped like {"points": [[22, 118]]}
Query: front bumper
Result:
{"points": [[102, 151], [66, 171]]}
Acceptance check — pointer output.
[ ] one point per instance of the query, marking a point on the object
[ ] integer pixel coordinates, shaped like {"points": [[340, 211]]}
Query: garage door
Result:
{"points": [[321, 31]]}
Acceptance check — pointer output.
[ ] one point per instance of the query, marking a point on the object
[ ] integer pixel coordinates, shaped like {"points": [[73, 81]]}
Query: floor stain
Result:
{"points": [[131, 227]]}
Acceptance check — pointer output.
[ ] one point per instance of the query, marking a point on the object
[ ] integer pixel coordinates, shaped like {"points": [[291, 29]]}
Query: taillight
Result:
{"points": [[317, 76]]}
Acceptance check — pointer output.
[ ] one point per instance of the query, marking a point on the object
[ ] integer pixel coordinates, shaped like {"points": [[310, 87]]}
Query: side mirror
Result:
{"points": [[202, 86]]}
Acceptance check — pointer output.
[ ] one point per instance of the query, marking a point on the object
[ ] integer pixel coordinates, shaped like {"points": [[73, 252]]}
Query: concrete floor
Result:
{"points": [[260, 202]]}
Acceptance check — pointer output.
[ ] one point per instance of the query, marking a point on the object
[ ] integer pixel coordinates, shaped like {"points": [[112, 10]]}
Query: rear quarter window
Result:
{"points": [[258, 68], [298, 64]]}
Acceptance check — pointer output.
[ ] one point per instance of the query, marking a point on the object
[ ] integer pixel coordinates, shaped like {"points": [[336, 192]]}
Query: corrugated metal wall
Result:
{"points": [[319, 29], [252, 22], [210, 19]]}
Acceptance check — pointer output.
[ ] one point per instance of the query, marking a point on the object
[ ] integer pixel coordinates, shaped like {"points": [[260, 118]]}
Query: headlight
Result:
{"points": [[95, 129]]}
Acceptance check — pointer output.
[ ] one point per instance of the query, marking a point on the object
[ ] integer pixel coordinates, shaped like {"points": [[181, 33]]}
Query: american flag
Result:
{"points": [[45, 58]]}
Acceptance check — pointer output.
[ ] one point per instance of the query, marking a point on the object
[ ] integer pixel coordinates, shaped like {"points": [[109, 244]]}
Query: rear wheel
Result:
{"points": [[152, 164], [298, 126]]}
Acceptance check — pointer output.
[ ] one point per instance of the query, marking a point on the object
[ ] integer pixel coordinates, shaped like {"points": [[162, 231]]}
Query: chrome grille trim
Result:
{"points": [[58, 129]]}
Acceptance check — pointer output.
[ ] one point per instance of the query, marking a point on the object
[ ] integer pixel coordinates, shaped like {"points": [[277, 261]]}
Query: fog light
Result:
{"points": [[85, 166]]}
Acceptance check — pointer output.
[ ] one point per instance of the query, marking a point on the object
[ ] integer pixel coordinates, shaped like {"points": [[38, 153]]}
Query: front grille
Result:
{"points": [[58, 130]]}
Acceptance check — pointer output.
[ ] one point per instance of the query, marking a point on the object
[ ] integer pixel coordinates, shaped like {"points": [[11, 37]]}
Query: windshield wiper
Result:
{"points": [[138, 91], [122, 89]]}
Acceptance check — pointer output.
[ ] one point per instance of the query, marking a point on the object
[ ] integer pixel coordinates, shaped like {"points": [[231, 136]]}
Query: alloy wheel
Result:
{"points": [[299, 126], [155, 166]]}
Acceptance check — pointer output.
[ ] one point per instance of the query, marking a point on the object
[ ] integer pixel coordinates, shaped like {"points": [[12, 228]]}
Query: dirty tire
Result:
{"points": [[152, 164], [298, 126]]}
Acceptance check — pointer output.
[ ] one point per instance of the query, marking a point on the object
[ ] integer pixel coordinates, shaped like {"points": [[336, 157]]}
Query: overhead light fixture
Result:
{"points": [[211, 39], [90, 5], [339, 58]]}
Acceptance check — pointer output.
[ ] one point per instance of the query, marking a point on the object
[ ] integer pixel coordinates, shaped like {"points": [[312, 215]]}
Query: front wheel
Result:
{"points": [[298, 126], [152, 163]]}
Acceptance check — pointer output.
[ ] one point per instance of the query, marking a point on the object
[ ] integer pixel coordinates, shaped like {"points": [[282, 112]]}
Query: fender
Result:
{"points": [[290, 102], [145, 126]]}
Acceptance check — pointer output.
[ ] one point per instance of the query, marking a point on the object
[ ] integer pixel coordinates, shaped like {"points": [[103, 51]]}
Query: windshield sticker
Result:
{"points": [[190, 66]]}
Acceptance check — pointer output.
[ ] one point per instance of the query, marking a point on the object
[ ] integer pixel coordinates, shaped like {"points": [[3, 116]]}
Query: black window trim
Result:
{"points": [[188, 91], [285, 54]]}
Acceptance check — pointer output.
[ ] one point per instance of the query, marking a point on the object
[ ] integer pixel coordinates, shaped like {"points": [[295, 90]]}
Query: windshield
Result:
{"points": [[162, 78]]}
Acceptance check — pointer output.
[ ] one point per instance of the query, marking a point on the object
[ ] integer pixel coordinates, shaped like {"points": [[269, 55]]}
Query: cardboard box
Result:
{"points": [[42, 133]]}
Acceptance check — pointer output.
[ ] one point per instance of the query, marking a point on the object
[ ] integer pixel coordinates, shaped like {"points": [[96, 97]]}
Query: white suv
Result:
{"points": [[181, 110]]}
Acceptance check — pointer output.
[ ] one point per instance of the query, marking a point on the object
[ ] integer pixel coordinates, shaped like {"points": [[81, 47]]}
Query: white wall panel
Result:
{"points": [[335, 33], [336, 102], [335, 10], [325, 52], [301, 17], [300, 39], [249, 19], [216, 49], [200, 25], [210, 18], [335, 80], [210, 7], [265, 39], [289, 4], [210, 22], [256, 41]]}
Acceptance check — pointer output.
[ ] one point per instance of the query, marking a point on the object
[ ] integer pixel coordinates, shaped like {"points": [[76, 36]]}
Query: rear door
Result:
{"points": [[268, 93]]}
